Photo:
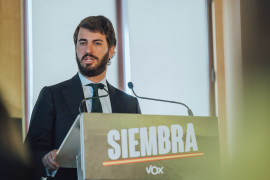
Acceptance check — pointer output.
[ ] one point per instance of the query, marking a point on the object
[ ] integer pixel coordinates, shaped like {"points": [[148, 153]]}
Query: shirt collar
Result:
{"points": [[86, 81]]}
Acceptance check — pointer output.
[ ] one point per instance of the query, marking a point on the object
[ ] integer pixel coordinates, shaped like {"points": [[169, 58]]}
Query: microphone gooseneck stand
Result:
{"points": [[100, 86], [130, 85]]}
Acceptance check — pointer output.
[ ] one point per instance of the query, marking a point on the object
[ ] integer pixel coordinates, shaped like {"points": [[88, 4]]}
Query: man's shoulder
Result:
{"points": [[117, 92], [123, 102], [67, 83]]}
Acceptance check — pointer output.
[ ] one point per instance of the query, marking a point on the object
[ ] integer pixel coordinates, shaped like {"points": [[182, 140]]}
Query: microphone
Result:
{"points": [[130, 85], [100, 86]]}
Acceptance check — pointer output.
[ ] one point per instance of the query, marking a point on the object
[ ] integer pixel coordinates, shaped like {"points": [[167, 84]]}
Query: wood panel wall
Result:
{"points": [[10, 56], [220, 77]]}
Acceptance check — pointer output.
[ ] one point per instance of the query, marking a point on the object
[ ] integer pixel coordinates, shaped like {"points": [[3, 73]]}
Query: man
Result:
{"points": [[58, 105]]}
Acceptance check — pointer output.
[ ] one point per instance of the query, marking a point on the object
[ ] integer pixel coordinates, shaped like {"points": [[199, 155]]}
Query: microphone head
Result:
{"points": [[190, 113], [130, 85], [101, 86]]}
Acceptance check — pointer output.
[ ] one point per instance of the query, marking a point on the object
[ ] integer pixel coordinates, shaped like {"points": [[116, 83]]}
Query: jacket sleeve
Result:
{"points": [[41, 131]]}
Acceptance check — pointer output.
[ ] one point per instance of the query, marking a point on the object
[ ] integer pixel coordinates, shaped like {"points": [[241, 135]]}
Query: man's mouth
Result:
{"points": [[88, 59]]}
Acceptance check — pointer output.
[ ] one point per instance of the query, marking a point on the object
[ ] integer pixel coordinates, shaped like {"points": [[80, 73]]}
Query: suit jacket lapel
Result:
{"points": [[73, 94], [112, 98], [117, 107]]}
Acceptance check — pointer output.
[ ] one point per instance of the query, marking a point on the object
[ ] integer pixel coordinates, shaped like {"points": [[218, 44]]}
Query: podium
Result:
{"points": [[135, 146]]}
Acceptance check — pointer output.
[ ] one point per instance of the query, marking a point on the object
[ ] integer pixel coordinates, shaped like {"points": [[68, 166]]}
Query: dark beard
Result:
{"points": [[91, 72]]}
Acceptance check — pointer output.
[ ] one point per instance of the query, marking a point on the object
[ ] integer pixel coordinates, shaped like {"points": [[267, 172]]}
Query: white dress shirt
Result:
{"points": [[88, 92]]}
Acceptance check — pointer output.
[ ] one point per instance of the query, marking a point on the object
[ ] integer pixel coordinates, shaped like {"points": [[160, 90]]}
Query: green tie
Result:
{"points": [[96, 105]]}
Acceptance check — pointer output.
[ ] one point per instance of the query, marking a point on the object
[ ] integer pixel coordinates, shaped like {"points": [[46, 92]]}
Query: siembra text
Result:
{"points": [[155, 140]]}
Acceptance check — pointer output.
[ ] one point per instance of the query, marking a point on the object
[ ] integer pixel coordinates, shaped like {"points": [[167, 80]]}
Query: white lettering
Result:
{"points": [[164, 143], [177, 138], [191, 139], [124, 143], [148, 143], [161, 170], [114, 152], [127, 143], [133, 142], [154, 170], [148, 169]]}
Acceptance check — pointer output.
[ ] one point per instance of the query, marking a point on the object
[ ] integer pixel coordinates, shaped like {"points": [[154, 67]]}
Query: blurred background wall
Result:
{"points": [[242, 58], [53, 51], [11, 78], [169, 54], [10, 56]]}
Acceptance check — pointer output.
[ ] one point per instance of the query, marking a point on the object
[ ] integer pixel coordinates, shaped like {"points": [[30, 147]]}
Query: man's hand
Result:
{"points": [[49, 160]]}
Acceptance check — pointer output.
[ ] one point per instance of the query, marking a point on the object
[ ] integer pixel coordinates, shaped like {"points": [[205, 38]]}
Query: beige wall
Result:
{"points": [[10, 56]]}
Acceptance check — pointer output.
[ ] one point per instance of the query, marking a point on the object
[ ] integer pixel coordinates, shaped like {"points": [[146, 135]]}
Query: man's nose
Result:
{"points": [[89, 49]]}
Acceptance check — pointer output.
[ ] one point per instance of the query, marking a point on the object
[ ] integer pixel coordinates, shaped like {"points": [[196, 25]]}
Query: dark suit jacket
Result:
{"points": [[54, 113]]}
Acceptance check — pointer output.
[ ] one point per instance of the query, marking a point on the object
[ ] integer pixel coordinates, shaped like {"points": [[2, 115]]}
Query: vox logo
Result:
{"points": [[154, 170]]}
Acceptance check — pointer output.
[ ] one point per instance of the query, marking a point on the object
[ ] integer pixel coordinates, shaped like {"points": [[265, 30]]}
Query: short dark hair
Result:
{"points": [[99, 24]]}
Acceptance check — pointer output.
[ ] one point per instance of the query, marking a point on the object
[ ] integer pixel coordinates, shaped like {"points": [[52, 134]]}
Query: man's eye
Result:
{"points": [[82, 43], [97, 43]]}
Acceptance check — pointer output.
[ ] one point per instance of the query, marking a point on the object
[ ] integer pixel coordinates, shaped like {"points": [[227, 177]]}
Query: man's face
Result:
{"points": [[92, 52]]}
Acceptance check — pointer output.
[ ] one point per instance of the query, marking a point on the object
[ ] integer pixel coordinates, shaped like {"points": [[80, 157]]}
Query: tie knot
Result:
{"points": [[94, 86]]}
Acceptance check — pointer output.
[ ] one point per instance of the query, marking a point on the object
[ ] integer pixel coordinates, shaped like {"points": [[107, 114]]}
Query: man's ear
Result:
{"points": [[111, 52]]}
